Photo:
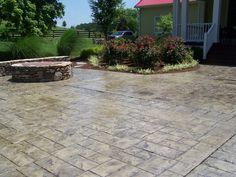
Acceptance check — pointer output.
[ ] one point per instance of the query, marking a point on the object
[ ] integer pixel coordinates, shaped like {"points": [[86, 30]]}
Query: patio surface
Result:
{"points": [[120, 125]]}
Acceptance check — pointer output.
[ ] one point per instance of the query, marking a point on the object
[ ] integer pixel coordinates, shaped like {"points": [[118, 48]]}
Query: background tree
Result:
{"points": [[88, 27], [30, 16], [64, 24], [127, 19], [104, 12]]}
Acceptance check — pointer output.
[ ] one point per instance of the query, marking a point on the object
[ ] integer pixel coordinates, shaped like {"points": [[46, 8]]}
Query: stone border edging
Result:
{"points": [[5, 66]]}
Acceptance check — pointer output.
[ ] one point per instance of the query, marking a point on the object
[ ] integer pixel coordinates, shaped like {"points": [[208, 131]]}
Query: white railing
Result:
{"points": [[196, 31], [209, 39]]}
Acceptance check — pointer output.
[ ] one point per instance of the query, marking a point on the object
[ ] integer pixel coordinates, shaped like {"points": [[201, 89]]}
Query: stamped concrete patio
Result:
{"points": [[120, 125]]}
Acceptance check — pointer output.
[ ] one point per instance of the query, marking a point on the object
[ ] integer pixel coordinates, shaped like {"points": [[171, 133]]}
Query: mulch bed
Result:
{"points": [[87, 65]]}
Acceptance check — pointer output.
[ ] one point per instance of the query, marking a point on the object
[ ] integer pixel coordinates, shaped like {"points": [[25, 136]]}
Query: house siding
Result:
{"points": [[224, 12], [148, 14], [197, 14]]}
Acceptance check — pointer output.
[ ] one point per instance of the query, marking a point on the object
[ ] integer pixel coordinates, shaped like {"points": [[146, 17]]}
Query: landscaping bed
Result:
{"points": [[145, 55]]}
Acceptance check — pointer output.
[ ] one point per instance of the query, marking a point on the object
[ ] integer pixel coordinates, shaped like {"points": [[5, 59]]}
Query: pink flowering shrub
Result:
{"points": [[116, 50], [173, 50], [145, 52]]}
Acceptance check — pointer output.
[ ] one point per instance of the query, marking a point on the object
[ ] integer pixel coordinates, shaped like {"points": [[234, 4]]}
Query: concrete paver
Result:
{"points": [[117, 124]]}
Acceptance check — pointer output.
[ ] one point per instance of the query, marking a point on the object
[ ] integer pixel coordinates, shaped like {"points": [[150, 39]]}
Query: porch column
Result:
{"points": [[176, 20], [184, 19], [216, 18]]}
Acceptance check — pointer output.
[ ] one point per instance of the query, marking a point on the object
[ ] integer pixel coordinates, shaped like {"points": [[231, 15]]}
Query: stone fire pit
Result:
{"points": [[41, 71]]}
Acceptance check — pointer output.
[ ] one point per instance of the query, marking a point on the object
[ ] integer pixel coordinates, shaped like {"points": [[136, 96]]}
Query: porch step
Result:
{"points": [[222, 54]]}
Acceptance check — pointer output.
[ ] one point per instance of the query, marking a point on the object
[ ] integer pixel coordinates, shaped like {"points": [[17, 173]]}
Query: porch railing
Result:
{"points": [[209, 39], [196, 31]]}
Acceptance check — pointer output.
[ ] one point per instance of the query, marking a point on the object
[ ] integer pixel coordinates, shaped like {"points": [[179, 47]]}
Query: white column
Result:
{"points": [[184, 18], [176, 5], [216, 18]]}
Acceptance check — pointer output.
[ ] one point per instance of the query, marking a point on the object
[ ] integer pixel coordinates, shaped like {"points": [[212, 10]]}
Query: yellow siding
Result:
{"points": [[197, 14], [148, 14]]}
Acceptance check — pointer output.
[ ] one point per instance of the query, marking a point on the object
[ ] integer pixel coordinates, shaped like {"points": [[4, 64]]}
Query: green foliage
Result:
{"points": [[30, 17], [64, 24], [165, 25], [81, 44], [181, 66], [127, 20], [32, 47], [144, 71], [88, 27], [5, 51], [94, 61], [86, 53], [117, 67], [104, 13], [174, 51], [67, 42]]}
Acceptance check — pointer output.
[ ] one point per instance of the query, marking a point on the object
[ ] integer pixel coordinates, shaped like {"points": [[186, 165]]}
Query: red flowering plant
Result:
{"points": [[145, 52], [173, 50], [116, 50]]}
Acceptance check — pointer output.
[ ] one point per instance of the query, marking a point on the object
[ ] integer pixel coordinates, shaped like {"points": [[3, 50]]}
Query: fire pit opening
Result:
{"points": [[41, 71]]}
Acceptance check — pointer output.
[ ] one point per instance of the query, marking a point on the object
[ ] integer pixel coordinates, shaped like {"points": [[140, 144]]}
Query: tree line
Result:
{"points": [[26, 17]]}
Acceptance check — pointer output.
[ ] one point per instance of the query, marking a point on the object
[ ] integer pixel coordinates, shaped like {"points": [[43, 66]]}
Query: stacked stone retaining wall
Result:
{"points": [[5, 66]]}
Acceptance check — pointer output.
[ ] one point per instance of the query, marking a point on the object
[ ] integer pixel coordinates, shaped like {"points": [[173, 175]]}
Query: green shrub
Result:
{"points": [[94, 61], [118, 67], [173, 50], [32, 47], [67, 42], [181, 66], [86, 53], [165, 25]]}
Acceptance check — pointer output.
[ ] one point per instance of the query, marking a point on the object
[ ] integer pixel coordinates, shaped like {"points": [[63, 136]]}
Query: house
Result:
{"points": [[203, 22]]}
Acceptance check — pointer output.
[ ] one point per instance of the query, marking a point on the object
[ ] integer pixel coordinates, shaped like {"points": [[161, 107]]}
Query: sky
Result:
{"points": [[78, 11]]}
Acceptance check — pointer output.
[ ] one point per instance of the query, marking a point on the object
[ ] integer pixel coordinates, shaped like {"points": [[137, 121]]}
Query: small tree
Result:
{"points": [[104, 12], [127, 19], [64, 24], [165, 25]]}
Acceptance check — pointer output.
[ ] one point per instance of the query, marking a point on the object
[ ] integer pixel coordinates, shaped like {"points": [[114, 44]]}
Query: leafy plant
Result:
{"points": [[145, 71], [145, 52], [93, 60], [181, 66], [30, 17], [67, 42], [173, 50], [165, 25], [86, 53], [116, 50], [118, 67]]}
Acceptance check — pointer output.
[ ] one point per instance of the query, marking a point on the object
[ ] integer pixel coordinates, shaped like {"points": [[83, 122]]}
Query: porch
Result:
{"points": [[206, 34]]}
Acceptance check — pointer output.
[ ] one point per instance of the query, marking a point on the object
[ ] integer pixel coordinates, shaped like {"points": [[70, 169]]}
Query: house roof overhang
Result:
{"points": [[147, 3], [144, 3]]}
